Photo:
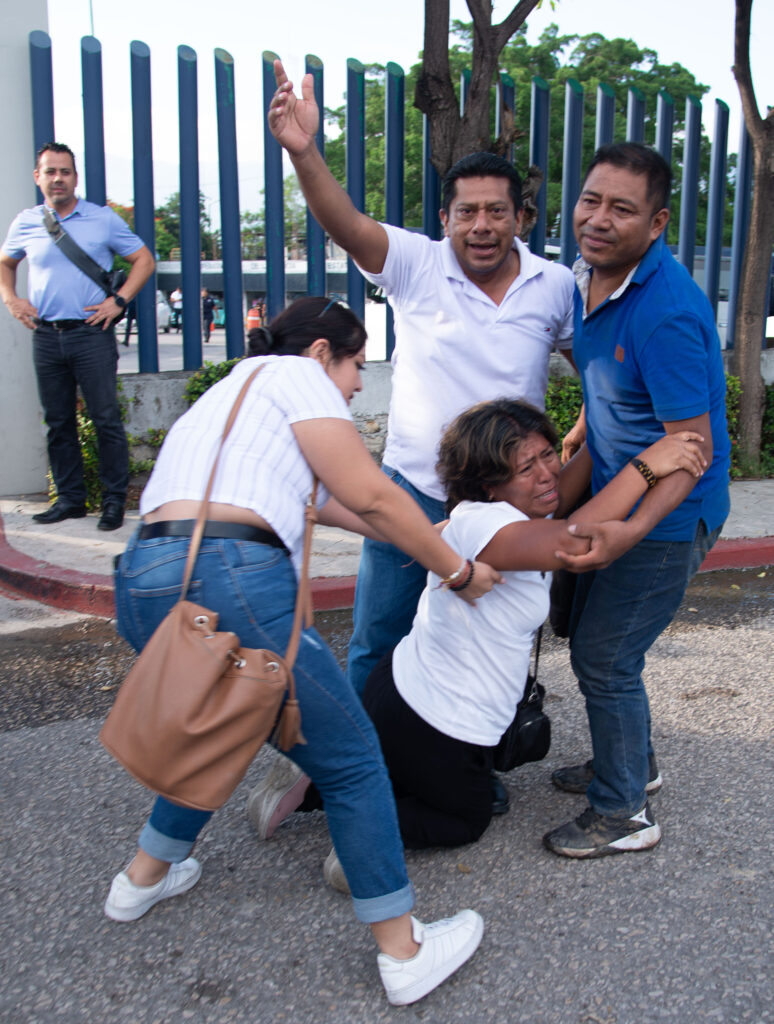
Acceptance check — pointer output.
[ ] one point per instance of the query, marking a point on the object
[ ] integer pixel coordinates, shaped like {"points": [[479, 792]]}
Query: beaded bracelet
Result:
{"points": [[644, 469], [457, 587]]}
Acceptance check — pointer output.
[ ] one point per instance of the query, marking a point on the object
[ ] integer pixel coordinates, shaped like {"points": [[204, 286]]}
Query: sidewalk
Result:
{"points": [[69, 565]]}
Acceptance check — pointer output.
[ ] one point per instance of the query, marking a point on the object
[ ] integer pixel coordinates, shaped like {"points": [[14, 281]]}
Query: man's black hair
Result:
{"points": [[54, 147], [639, 159], [482, 165]]}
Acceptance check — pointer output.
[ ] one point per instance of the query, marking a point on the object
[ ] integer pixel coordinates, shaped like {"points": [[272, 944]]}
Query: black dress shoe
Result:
{"points": [[500, 798], [60, 511], [112, 516]]}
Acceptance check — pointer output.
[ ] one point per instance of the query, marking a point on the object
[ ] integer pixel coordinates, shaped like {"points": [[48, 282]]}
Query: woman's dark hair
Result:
{"points": [[293, 330], [477, 448]]}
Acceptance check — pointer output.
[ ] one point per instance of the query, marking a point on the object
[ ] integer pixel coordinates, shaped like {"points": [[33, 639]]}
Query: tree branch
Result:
{"points": [[741, 68]]}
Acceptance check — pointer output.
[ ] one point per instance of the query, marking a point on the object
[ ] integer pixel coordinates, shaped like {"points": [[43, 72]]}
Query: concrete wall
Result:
{"points": [[23, 463]]}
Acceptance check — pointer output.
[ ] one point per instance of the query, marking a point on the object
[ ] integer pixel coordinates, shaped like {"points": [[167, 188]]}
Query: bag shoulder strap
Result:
{"points": [[67, 245], [303, 596]]}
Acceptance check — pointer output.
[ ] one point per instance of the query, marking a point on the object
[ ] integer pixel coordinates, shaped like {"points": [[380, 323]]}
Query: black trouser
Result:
{"points": [[441, 785], [84, 357]]}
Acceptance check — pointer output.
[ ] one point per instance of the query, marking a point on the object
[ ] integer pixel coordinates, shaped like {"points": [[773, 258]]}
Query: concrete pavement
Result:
{"points": [[68, 565]]}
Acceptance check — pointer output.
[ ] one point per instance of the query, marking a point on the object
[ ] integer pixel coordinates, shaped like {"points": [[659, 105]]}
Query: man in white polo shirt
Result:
{"points": [[476, 317]]}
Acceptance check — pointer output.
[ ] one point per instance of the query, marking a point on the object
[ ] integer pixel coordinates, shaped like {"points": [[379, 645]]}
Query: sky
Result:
{"points": [[696, 33]]}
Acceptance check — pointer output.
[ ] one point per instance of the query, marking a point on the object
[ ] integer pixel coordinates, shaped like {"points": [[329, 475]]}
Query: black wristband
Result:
{"points": [[119, 300], [644, 469]]}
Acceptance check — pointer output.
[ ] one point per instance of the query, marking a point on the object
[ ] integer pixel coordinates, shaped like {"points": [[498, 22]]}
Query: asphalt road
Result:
{"points": [[679, 934]]}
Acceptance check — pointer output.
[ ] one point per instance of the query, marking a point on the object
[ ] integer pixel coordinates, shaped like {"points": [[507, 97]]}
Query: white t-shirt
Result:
{"points": [[463, 668], [455, 346], [261, 466]]}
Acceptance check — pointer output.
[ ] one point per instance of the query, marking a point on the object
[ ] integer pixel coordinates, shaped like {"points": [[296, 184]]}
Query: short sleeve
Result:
{"points": [[678, 387]]}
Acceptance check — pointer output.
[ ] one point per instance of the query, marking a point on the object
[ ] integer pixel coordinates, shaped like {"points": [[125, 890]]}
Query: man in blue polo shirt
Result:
{"points": [[73, 339], [649, 357]]}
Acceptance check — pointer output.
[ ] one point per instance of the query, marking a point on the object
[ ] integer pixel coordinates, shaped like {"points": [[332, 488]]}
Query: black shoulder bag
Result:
{"points": [[108, 280], [528, 737]]}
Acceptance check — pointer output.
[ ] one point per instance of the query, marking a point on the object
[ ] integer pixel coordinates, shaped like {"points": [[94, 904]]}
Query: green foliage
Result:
{"points": [[203, 379], [590, 60], [564, 399], [167, 224], [253, 224]]}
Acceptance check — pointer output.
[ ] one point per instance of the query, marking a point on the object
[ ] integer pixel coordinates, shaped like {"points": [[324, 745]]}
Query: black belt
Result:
{"points": [[212, 528], [62, 325]]}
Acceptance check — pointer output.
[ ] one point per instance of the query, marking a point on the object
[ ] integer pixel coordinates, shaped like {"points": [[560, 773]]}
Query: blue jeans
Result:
{"points": [[253, 589], [389, 585], [87, 358], [617, 614]]}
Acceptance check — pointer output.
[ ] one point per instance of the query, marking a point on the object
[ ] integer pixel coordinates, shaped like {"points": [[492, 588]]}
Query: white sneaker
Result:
{"points": [[127, 901], [333, 873], [443, 947], [276, 796]]}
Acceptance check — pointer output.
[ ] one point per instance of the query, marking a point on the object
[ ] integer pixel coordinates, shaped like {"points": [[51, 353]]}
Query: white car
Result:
{"points": [[163, 312]]}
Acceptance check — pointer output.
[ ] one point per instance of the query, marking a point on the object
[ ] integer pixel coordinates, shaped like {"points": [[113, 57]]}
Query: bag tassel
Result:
{"points": [[288, 730]]}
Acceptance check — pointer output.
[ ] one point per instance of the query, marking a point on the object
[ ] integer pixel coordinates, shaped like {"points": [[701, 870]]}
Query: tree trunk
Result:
{"points": [[453, 135], [751, 312]]}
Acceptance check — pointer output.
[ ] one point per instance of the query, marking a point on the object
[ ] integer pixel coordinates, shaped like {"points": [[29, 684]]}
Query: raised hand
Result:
{"points": [[293, 121]]}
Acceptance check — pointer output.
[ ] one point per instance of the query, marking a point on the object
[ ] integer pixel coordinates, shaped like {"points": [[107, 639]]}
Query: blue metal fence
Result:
{"points": [[190, 228]]}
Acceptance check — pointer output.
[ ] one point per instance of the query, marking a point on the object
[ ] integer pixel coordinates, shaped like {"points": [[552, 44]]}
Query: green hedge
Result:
{"points": [[564, 399]]}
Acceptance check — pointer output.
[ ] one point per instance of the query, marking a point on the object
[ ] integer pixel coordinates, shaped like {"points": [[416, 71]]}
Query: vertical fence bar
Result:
{"points": [[431, 187], [571, 169], [274, 205], [93, 121], [144, 220], [635, 116], [228, 172], [315, 236], [505, 112], [540, 102], [42, 83], [190, 216], [394, 145], [355, 127], [665, 124], [605, 122], [689, 192], [716, 205], [742, 203]]}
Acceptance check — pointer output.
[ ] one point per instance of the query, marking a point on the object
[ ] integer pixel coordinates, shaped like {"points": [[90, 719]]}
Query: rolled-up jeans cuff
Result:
{"points": [[156, 844], [382, 908]]}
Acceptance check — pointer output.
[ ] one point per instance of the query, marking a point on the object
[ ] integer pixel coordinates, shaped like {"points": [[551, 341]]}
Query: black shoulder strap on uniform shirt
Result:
{"points": [[75, 254]]}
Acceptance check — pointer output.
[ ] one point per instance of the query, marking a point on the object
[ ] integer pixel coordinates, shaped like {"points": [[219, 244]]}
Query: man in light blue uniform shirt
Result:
{"points": [[73, 339]]}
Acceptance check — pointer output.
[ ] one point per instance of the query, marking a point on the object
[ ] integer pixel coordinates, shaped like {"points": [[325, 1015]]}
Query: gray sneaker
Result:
{"points": [[597, 835], [276, 796], [575, 778], [333, 873]]}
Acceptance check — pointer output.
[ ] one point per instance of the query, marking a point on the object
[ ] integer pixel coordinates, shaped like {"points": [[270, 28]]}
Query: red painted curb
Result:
{"points": [[92, 593], [740, 553]]}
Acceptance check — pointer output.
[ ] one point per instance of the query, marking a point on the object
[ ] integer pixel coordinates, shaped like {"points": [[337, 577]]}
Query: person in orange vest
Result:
{"points": [[254, 316]]}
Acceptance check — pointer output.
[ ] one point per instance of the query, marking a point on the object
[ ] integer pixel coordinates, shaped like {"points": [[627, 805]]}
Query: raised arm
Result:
{"points": [[333, 449], [293, 122]]}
